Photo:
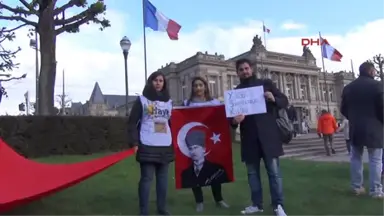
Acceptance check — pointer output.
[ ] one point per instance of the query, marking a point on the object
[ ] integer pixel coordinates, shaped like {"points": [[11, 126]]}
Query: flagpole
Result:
{"points": [[265, 41], [145, 45], [324, 73], [353, 71]]}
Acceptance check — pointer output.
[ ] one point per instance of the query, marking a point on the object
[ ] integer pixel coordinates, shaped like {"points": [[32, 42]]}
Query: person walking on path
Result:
{"points": [[326, 127], [344, 126], [362, 105]]}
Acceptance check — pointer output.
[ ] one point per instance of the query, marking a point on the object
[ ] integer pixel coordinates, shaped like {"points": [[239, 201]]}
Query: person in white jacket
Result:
{"points": [[345, 128]]}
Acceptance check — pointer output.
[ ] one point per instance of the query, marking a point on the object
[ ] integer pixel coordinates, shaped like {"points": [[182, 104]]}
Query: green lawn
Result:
{"points": [[310, 188]]}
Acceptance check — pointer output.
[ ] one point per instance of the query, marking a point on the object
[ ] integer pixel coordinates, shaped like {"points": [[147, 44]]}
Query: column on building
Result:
{"points": [[282, 82], [298, 95], [213, 84], [275, 78], [297, 86], [221, 84], [303, 81], [289, 86], [310, 90]]}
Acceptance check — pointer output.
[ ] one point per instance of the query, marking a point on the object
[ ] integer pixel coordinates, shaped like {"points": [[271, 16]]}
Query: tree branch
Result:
{"points": [[20, 19], [4, 30], [93, 10], [17, 10], [29, 6], [70, 4], [73, 25], [72, 19], [14, 78]]}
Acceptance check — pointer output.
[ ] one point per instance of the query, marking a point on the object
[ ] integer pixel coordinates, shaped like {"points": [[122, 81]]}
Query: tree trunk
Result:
{"points": [[47, 77]]}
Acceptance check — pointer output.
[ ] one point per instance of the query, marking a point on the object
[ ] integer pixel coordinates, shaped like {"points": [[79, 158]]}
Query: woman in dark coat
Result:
{"points": [[149, 131]]}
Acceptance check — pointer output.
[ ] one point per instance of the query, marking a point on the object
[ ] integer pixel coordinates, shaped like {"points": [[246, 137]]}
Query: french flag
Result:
{"points": [[329, 52], [155, 20]]}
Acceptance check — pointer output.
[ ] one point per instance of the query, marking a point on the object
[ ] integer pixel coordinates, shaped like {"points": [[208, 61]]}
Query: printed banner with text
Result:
{"points": [[203, 146]]}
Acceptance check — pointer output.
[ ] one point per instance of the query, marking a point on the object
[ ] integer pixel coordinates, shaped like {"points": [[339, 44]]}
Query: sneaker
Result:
{"points": [[251, 210], [359, 191], [279, 211], [379, 195], [222, 204], [333, 151], [199, 207]]}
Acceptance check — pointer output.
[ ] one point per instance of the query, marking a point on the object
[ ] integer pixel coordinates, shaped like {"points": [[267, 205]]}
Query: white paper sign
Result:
{"points": [[247, 101]]}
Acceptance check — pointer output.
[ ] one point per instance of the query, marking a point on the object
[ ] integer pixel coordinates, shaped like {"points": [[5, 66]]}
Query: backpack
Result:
{"points": [[285, 126]]}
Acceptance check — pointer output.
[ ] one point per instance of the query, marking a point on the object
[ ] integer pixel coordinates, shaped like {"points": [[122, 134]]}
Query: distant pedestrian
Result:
{"points": [[362, 105], [344, 126], [326, 127], [305, 125], [292, 116]]}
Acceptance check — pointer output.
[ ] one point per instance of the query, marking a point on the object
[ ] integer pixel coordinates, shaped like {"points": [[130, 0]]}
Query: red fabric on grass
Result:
{"points": [[23, 180]]}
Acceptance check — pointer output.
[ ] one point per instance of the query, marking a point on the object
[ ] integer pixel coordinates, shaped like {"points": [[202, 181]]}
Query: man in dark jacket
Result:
{"points": [[260, 139], [362, 105]]}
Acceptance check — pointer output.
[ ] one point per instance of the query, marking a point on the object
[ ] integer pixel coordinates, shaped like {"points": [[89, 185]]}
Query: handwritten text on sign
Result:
{"points": [[247, 101]]}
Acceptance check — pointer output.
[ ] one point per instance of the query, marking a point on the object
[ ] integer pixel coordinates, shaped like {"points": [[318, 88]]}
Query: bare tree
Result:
{"points": [[51, 22], [6, 55], [3, 92], [64, 102], [378, 61]]}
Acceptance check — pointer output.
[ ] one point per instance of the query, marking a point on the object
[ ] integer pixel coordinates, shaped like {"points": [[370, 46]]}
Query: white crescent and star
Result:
{"points": [[183, 133], [215, 138]]}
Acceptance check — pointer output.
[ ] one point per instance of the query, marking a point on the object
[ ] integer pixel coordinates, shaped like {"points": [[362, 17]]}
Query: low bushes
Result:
{"points": [[40, 136]]}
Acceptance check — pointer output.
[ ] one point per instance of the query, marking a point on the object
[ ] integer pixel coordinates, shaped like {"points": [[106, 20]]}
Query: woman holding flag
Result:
{"points": [[200, 96]]}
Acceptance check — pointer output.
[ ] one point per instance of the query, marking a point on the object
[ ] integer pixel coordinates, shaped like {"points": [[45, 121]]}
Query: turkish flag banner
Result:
{"points": [[203, 148]]}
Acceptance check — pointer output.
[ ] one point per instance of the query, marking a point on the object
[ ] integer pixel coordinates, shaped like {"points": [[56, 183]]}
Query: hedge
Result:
{"points": [[41, 136]]}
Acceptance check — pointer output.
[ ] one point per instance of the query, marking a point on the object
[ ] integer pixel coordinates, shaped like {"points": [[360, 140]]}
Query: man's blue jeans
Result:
{"points": [[147, 171], [375, 168], [275, 182]]}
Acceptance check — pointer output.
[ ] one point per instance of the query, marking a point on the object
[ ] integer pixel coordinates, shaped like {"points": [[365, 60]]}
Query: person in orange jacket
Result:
{"points": [[326, 127]]}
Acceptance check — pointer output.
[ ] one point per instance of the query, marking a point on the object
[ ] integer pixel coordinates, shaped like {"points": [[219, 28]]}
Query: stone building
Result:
{"points": [[297, 76], [100, 104]]}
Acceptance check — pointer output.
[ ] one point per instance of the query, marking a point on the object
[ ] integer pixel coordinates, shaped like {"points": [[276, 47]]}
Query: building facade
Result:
{"points": [[297, 76], [100, 104]]}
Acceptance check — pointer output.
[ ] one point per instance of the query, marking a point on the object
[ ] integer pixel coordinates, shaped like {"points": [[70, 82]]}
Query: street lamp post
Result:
{"points": [[34, 45], [125, 45]]}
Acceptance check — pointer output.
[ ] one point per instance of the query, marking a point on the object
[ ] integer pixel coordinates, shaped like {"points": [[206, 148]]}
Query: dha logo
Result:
{"points": [[313, 41]]}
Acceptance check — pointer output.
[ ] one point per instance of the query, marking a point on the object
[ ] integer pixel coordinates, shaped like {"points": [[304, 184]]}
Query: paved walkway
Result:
{"points": [[340, 157]]}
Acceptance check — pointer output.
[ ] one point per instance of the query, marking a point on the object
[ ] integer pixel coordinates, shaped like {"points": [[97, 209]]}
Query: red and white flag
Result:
{"points": [[203, 146]]}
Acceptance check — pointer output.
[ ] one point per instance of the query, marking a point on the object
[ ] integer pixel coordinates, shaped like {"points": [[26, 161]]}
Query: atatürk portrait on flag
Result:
{"points": [[201, 172]]}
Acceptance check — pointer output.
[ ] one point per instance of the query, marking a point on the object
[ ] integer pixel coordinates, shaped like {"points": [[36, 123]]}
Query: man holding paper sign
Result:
{"points": [[260, 139]]}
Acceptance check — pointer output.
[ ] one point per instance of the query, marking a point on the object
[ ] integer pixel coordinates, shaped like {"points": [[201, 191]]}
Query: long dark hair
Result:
{"points": [[207, 93], [150, 92]]}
